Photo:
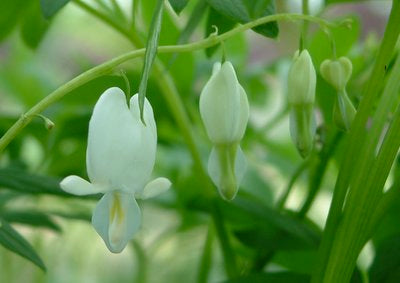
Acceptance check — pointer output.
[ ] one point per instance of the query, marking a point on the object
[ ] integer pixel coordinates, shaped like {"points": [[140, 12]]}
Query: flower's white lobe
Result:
{"points": [[120, 159], [301, 96], [302, 79], [224, 107]]}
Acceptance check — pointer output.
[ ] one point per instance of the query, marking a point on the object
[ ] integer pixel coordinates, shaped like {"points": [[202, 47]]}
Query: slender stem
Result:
{"points": [[303, 36], [227, 250], [108, 66], [297, 173], [206, 257]]}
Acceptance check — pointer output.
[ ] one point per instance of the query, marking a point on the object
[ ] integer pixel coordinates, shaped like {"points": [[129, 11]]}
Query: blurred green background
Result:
{"points": [[38, 55]]}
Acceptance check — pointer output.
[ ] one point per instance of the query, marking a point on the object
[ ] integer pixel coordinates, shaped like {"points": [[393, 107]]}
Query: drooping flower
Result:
{"points": [[120, 159], [337, 73], [224, 109], [301, 96]]}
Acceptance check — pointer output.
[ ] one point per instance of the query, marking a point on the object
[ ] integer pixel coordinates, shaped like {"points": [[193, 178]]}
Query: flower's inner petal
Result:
{"points": [[155, 187], [77, 186], [116, 219]]}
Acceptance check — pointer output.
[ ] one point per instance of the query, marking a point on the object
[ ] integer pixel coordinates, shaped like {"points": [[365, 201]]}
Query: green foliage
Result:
{"points": [[243, 11], [386, 265], [178, 5], [260, 236], [12, 240], [151, 51], [51, 7]]}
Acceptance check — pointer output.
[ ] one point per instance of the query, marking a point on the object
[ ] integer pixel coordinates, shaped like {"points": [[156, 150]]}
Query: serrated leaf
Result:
{"points": [[31, 218], [151, 51], [179, 5], [33, 26], [50, 7], [243, 11], [12, 240]]}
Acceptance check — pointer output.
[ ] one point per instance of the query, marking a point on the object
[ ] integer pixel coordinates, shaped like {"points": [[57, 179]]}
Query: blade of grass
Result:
{"points": [[151, 51]]}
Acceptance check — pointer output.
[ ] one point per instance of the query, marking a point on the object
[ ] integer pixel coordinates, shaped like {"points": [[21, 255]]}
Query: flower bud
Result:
{"points": [[224, 109], [302, 79], [301, 96], [337, 72]]}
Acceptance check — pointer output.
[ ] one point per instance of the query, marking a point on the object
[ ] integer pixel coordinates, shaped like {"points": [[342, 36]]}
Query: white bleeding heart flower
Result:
{"points": [[224, 109], [120, 159]]}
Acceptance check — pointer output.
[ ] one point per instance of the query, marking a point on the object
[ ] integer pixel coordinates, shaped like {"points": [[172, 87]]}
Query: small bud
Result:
{"points": [[301, 96], [337, 72], [302, 79], [48, 124]]}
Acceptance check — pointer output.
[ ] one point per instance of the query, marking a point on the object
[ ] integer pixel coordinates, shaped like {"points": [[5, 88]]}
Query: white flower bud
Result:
{"points": [[224, 108], [301, 96], [302, 79]]}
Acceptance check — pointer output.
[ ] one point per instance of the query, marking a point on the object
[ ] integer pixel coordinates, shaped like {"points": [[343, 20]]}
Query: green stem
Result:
{"points": [[108, 66], [227, 250], [206, 257], [297, 173], [304, 29]]}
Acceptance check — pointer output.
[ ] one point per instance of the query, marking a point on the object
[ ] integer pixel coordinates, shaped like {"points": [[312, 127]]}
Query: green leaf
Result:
{"points": [[12, 240], [51, 7], [243, 11], [151, 51], [20, 180], [10, 11], [34, 26], [31, 218], [386, 265], [179, 5], [272, 277], [285, 222]]}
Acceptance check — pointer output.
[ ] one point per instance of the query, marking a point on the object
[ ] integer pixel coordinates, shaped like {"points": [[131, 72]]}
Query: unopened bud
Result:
{"points": [[301, 96], [337, 72]]}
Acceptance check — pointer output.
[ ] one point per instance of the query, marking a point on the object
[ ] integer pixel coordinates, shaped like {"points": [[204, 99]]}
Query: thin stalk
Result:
{"points": [[230, 263], [206, 257]]}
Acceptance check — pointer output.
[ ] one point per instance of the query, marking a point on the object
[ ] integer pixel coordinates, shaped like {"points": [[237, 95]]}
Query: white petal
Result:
{"points": [[78, 186], [216, 175], [219, 104], [243, 115], [116, 219], [155, 187], [121, 150]]}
